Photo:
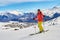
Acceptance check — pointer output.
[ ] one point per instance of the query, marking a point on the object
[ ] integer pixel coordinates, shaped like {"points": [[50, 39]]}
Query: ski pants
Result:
{"points": [[40, 26]]}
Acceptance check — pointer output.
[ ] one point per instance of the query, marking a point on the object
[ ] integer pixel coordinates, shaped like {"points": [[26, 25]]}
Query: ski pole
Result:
{"points": [[35, 29]]}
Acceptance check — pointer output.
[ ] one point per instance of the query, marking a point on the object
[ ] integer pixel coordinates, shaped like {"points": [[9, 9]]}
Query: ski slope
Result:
{"points": [[23, 34]]}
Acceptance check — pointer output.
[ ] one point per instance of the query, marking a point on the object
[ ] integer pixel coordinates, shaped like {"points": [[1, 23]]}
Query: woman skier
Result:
{"points": [[40, 17]]}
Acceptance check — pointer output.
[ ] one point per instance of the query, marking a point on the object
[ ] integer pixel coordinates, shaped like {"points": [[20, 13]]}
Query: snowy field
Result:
{"points": [[23, 34]]}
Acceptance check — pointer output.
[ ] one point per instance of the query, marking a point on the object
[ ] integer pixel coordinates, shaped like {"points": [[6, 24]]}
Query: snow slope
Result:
{"points": [[23, 34]]}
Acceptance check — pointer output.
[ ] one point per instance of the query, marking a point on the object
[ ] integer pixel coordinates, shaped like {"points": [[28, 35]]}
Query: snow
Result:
{"points": [[16, 12], [50, 12], [23, 34]]}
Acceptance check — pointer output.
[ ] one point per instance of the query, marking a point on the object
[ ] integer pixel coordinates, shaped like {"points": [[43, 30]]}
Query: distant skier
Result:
{"points": [[39, 17]]}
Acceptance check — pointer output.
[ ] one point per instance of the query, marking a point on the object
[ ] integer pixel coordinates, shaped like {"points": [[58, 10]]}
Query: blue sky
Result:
{"points": [[28, 5]]}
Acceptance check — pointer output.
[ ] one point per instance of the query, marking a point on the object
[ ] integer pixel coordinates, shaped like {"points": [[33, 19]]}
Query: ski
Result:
{"points": [[38, 33]]}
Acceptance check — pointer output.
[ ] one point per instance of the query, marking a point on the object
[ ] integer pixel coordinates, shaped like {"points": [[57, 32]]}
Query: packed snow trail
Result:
{"points": [[23, 34], [52, 34]]}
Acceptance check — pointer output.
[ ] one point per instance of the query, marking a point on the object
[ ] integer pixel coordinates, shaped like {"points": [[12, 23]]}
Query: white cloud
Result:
{"points": [[5, 2]]}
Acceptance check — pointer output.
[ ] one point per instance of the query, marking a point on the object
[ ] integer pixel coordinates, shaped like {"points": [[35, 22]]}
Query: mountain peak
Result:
{"points": [[56, 7]]}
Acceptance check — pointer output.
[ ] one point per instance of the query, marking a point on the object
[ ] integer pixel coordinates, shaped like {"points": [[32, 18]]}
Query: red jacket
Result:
{"points": [[39, 16]]}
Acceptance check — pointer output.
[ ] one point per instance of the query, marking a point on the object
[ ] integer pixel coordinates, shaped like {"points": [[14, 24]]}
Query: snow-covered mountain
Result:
{"points": [[8, 16], [50, 12], [28, 17], [52, 24]]}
